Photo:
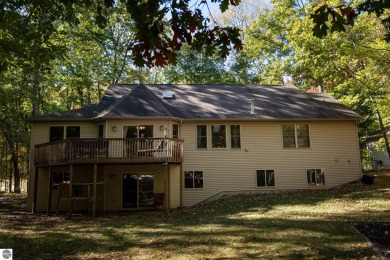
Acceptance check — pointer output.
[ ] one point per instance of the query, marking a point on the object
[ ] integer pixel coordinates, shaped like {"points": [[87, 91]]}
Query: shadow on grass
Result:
{"points": [[243, 226]]}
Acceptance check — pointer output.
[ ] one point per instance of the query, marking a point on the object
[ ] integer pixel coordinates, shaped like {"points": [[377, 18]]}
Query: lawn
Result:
{"points": [[305, 224]]}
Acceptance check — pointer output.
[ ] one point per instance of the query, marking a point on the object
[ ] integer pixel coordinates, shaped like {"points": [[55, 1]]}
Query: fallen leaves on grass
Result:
{"points": [[378, 234]]}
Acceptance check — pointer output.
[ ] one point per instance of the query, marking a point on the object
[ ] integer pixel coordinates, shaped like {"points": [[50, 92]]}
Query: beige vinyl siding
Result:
{"points": [[82, 174], [174, 191], [40, 134], [119, 124], [114, 175], [334, 147]]}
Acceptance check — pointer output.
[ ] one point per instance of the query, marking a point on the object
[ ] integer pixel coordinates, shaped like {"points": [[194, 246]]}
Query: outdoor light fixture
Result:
{"points": [[161, 128], [114, 128]]}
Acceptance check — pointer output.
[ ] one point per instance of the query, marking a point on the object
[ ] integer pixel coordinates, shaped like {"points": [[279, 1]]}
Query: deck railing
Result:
{"points": [[110, 150]]}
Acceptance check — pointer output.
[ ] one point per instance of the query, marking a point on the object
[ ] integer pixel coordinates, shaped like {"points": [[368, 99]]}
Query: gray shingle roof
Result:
{"points": [[210, 102]]}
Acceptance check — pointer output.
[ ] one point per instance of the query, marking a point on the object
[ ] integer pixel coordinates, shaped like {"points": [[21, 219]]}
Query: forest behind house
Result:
{"points": [[50, 62]]}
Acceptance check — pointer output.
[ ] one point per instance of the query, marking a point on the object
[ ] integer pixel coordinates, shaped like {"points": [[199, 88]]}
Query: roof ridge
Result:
{"points": [[115, 104], [167, 107]]}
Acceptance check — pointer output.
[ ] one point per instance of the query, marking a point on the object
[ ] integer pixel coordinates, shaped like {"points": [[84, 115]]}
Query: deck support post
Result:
{"points": [[34, 205], [70, 189], [49, 190], [94, 189]]}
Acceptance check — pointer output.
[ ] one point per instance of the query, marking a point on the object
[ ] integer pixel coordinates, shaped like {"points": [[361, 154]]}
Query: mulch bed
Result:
{"points": [[379, 235]]}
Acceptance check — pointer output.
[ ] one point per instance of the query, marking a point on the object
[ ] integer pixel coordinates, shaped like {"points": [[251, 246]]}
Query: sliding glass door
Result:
{"points": [[137, 190]]}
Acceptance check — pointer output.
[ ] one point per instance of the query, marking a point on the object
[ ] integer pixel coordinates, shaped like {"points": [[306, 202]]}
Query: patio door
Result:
{"points": [[130, 132], [137, 190]]}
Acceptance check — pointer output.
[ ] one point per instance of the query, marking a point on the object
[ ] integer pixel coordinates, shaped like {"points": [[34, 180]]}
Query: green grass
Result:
{"points": [[306, 224]]}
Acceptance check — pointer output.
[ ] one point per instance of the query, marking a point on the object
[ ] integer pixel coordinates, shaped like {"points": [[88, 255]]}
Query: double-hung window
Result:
{"points": [[201, 136], [193, 179], [295, 136], [175, 131], [235, 136], [218, 136]]}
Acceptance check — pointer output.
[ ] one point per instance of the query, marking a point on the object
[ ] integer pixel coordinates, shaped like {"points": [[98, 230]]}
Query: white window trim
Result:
{"points": [[193, 188], [315, 185], [265, 169], [207, 137], [296, 136], [178, 130], [226, 138], [230, 138]]}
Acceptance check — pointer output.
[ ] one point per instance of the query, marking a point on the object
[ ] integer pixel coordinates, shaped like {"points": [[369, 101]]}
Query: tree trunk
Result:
{"points": [[14, 163], [6, 168], [10, 181], [384, 132]]}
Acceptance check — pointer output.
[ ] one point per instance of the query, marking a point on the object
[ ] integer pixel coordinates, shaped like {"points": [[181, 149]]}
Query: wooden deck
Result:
{"points": [[109, 150]]}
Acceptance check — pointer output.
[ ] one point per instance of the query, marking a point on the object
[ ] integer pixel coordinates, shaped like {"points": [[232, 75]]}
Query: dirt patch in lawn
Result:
{"points": [[379, 235]]}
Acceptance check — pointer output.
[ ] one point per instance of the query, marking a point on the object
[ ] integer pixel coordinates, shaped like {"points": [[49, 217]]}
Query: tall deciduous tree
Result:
{"points": [[26, 48], [353, 65]]}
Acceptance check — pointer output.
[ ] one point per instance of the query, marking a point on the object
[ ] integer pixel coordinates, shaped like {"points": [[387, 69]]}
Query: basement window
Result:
{"points": [[315, 176], [265, 178], [60, 177], [193, 179]]}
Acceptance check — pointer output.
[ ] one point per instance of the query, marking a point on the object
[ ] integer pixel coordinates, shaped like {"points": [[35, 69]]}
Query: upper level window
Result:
{"points": [[101, 131], [218, 136], [141, 131], [201, 136], [56, 133], [235, 137], [73, 132], [175, 131], [145, 131], [295, 136]]}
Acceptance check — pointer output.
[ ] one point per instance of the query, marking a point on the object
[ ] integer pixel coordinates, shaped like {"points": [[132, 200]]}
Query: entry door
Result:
{"points": [[137, 190]]}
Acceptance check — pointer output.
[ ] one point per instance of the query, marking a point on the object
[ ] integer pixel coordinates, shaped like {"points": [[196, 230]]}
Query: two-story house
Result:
{"points": [[184, 144]]}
